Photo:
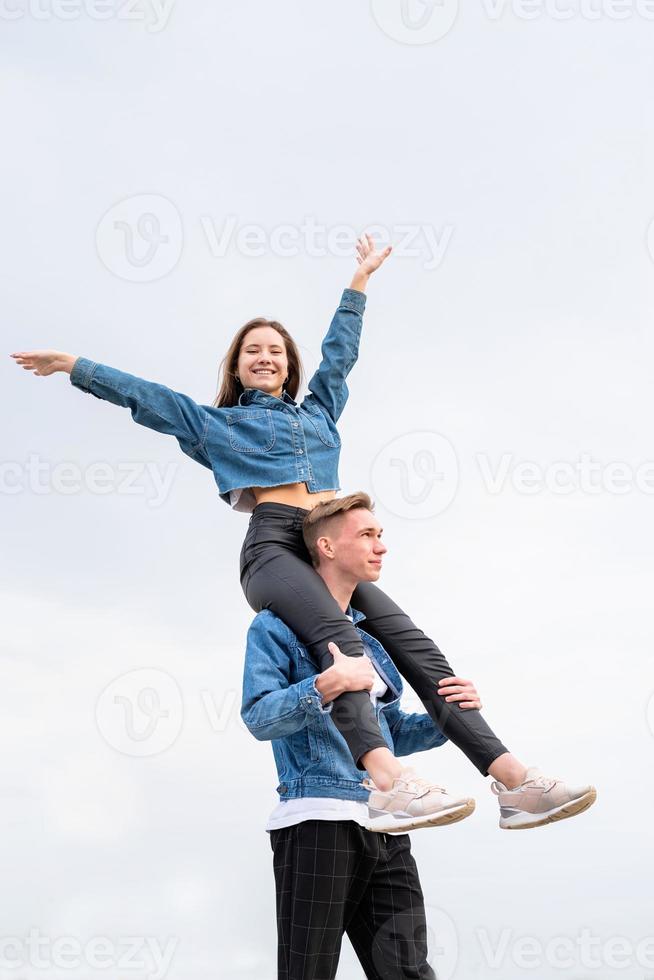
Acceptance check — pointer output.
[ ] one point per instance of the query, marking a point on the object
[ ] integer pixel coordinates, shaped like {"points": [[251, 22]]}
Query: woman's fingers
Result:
{"points": [[38, 362]]}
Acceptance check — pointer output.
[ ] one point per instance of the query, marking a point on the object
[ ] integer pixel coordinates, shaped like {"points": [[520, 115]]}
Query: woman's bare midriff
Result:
{"points": [[293, 494]]}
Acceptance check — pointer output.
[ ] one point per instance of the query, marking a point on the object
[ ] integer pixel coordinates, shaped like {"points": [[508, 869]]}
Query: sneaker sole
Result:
{"points": [[388, 824], [526, 821]]}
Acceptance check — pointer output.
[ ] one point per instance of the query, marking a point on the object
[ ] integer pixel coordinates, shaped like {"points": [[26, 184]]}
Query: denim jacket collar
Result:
{"points": [[254, 395], [356, 614]]}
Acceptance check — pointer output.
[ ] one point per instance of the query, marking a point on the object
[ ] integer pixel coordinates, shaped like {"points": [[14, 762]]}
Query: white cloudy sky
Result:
{"points": [[514, 328]]}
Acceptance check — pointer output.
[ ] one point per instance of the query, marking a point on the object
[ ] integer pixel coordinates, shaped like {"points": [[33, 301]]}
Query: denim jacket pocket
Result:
{"points": [[314, 744], [251, 432], [326, 432]]}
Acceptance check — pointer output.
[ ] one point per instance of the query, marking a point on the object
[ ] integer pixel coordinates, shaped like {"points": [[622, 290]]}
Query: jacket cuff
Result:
{"points": [[352, 299], [82, 372], [311, 698]]}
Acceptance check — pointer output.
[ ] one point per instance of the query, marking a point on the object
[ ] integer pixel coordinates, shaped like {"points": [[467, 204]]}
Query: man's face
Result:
{"points": [[355, 545]]}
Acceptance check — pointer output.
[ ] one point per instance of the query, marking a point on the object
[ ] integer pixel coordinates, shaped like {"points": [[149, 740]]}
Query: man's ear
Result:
{"points": [[325, 547]]}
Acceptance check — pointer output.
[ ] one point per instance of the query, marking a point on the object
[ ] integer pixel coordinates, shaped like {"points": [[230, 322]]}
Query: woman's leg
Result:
{"points": [[276, 574], [420, 661]]}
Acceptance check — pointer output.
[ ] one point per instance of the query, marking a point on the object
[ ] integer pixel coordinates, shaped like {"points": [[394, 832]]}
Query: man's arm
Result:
{"points": [[272, 707], [412, 732]]}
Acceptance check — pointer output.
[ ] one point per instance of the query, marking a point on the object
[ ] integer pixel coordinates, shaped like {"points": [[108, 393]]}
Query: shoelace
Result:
{"points": [[546, 782], [415, 784]]}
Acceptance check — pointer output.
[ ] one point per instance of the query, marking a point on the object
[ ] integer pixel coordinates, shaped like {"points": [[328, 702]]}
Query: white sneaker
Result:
{"points": [[539, 800], [413, 803]]}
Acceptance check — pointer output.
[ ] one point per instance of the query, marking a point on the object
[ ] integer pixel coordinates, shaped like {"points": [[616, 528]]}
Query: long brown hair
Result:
{"points": [[230, 389]]}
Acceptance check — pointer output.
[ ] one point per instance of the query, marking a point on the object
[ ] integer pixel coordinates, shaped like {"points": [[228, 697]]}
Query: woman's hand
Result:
{"points": [[44, 362], [369, 260], [461, 690]]}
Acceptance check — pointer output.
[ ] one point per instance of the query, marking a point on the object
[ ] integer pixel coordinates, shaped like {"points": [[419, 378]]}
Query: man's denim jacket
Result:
{"points": [[281, 703], [263, 441]]}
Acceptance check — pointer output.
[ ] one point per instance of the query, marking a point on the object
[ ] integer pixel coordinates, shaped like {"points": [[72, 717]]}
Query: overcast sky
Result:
{"points": [[171, 170]]}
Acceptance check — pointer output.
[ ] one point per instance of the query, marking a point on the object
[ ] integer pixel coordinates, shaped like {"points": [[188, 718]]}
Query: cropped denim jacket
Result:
{"points": [[264, 441], [281, 703]]}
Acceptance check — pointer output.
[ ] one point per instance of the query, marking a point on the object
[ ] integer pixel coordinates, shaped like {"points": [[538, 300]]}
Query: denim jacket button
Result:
{"points": [[299, 452], [283, 788]]}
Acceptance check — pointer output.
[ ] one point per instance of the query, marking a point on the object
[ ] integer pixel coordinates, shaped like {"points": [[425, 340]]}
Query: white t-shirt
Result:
{"points": [[242, 500], [289, 812]]}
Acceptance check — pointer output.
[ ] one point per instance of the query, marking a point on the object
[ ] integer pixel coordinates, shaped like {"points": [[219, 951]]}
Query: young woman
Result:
{"points": [[276, 459]]}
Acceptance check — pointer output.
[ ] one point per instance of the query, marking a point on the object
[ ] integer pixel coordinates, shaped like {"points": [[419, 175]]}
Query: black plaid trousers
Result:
{"points": [[334, 877]]}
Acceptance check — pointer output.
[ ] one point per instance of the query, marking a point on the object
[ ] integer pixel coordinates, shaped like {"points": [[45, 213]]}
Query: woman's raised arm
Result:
{"points": [[369, 260], [340, 348], [152, 405]]}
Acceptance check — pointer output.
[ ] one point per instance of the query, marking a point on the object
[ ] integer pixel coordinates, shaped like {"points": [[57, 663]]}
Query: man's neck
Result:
{"points": [[341, 588]]}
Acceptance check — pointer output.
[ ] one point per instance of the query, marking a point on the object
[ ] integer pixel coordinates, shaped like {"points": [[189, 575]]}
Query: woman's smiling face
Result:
{"points": [[262, 361]]}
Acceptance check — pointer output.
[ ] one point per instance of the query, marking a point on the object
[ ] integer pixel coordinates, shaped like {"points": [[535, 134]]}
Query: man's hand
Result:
{"points": [[461, 690], [369, 260], [345, 674], [44, 362]]}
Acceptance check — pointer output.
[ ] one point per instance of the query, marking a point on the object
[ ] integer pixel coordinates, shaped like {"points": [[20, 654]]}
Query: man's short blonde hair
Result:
{"points": [[318, 519]]}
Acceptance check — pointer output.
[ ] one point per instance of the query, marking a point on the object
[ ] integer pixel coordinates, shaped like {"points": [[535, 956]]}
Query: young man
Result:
{"points": [[336, 870], [333, 873]]}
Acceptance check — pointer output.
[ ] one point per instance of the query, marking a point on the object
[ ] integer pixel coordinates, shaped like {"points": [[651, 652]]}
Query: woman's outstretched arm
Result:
{"points": [[152, 405]]}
